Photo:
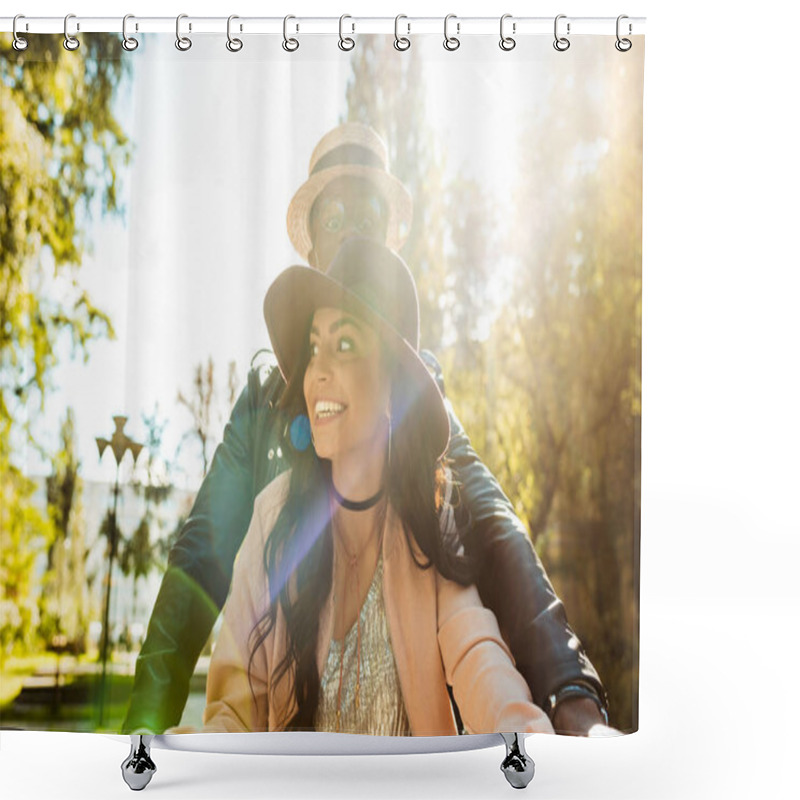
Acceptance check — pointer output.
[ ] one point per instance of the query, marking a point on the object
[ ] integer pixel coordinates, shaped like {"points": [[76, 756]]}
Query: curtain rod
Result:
{"points": [[461, 26]]}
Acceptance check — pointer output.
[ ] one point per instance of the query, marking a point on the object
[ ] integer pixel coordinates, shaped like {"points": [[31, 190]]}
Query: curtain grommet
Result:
{"points": [[129, 43], [561, 43], [289, 44], [451, 43], [623, 45], [233, 44], [19, 43], [401, 43], [507, 43], [346, 43], [71, 43], [183, 43]]}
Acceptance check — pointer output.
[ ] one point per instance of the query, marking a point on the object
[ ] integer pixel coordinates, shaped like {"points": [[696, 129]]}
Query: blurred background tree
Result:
{"points": [[545, 377], [570, 395], [144, 550], [61, 149], [387, 91], [64, 612], [207, 411]]}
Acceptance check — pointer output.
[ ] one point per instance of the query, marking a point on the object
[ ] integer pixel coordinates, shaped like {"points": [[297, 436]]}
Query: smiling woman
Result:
{"points": [[346, 389], [511, 183], [365, 611]]}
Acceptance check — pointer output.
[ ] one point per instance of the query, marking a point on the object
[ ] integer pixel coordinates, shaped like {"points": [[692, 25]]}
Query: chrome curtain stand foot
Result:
{"points": [[138, 768], [517, 766]]}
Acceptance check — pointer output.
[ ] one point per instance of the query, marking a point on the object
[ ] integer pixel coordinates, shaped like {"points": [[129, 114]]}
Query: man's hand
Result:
{"points": [[579, 716]]}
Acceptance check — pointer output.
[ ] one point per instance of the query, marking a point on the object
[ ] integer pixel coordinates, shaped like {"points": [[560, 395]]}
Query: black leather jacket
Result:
{"points": [[254, 450]]}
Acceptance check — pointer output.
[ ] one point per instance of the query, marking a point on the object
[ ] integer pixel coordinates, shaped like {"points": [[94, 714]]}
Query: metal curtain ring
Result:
{"points": [[401, 42], [183, 43], [561, 43], [346, 42], [19, 43], [451, 42], [128, 42], [507, 42], [70, 42], [623, 45], [234, 45], [289, 44]]}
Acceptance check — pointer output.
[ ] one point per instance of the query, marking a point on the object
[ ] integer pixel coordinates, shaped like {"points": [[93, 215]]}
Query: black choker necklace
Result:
{"points": [[356, 505]]}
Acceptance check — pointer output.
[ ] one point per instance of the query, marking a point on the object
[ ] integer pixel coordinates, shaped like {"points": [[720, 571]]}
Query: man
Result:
{"points": [[350, 192]]}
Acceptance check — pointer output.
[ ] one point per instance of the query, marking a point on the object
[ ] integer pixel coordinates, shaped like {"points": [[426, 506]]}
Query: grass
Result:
{"points": [[15, 670], [34, 706]]}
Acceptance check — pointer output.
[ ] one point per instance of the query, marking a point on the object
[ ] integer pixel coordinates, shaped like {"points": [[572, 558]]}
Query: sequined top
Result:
{"points": [[381, 710]]}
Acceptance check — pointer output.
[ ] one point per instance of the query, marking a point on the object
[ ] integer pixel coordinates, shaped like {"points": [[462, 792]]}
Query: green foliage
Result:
{"points": [[23, 531], [547, 385], [137, 557], [62, 483], [143, 551], [61, 149], [570, 345], [62, 602], [157, 485]]}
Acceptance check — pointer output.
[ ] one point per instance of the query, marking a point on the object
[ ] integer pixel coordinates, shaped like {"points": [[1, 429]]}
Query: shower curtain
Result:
{"points": [[152, 196]]}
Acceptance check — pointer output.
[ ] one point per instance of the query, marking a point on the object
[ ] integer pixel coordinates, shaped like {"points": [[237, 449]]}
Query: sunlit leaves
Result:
{"points": [[60, 150], [61, 147]]}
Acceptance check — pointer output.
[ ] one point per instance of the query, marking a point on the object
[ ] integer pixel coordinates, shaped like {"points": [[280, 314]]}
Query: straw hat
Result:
{"points": [[356, 150], [375, 285]]}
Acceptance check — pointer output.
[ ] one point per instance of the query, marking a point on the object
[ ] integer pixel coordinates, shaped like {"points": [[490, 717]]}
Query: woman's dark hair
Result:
{"points": [[298, 556]]}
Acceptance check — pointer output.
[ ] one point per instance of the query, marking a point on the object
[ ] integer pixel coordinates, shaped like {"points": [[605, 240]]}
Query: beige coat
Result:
{"points": [[440, 634]]}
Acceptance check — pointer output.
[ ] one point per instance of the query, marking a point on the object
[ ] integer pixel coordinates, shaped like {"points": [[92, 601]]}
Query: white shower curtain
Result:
{"points": [[524, 168]]}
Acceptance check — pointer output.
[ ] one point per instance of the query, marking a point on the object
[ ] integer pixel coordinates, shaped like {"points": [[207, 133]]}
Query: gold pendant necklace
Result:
{"points": [[352, 563]]}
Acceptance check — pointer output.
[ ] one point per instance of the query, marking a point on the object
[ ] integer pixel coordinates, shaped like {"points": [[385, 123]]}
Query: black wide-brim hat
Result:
{"points": [[374, 284]]}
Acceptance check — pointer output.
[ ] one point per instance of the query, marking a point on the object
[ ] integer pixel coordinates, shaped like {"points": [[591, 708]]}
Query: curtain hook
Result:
{"points": [[128, 42], [401, 42], [19, 43], [346, 42], [451, 42], [623, 45], [183, 43], [561, 43], [234, 45], [289, 44], [507, 42], [70, 42]]}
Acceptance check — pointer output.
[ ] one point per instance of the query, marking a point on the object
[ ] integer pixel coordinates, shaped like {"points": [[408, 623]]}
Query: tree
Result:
{"points": [[570, 343], [549, 385], [199, 403], [202, 403], [62, 601], [387, 92], [61, 148], [23, 529], [467, 362], [141, 552]]}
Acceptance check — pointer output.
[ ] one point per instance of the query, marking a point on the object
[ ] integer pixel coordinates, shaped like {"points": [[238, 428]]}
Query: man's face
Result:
{"points": [[347, 207]]}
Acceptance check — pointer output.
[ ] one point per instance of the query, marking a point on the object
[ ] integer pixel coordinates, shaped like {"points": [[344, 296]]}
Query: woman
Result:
{"points": [[349, 610]]}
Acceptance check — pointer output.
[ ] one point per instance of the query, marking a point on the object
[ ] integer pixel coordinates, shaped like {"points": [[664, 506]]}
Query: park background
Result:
{"points": [[720, 436], [147, 196]]}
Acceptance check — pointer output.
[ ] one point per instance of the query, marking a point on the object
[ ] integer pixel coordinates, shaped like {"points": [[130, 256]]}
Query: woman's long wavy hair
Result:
{"points": [[298, 556]]}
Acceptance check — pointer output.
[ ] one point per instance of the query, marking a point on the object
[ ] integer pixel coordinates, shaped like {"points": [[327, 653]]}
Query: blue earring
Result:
{"points": [[300, 432]]}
